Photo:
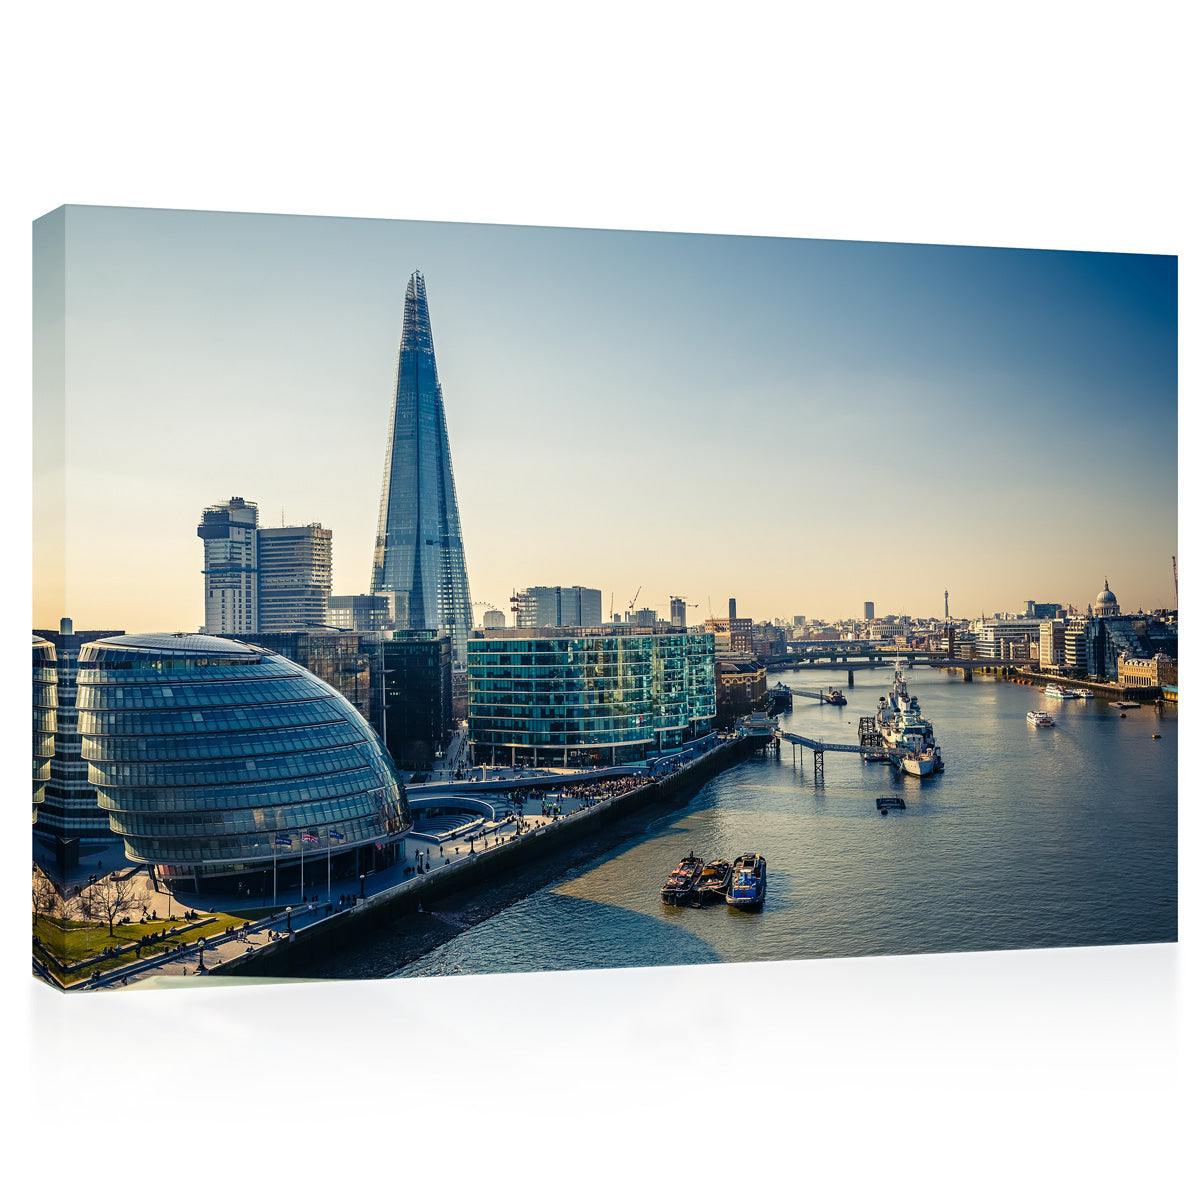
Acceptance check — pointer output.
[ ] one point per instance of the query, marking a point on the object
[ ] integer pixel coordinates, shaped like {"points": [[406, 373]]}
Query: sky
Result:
{"points": [[801, 424]]}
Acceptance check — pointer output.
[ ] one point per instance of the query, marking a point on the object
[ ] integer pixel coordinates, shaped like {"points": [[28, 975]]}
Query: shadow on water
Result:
{"points": [[553, 931]]}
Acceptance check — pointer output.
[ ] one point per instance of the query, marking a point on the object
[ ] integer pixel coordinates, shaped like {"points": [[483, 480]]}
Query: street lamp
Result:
{"points": [[362, 887], [289, 918], [200, 964]]}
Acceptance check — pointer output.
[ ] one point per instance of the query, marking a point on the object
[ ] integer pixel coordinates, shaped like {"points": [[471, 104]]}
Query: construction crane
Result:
{"points": [[629, 610]]}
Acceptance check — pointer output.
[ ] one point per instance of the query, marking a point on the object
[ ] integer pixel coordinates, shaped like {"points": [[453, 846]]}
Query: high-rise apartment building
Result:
{"points": [[295, 576], [262, 579], [419, 560], [230, 566], [494, 619], [678, 612], [548, 607]]}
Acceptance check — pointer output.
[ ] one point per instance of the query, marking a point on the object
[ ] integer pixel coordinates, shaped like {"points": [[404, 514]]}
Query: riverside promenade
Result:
{"points": [[326, 913]]}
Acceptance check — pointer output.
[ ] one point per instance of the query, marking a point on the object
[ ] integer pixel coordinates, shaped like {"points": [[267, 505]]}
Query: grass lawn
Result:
{"points": [[71, 941]]}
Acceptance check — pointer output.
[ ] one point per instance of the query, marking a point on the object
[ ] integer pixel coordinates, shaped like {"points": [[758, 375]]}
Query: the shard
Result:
{"points": [[419, 559]]}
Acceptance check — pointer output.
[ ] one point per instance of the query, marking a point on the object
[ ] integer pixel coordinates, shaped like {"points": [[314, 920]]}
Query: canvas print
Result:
{"points": [[426, 599]]}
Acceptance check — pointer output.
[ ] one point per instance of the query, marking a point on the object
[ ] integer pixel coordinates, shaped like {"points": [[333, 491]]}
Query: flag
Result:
{"points": [[309, 837], [333, 833], [282, 840]]}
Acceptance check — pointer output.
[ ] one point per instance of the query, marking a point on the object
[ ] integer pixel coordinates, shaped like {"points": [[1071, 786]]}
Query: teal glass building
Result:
{"points": [[583, 698], [221, 763], [419, 562]]}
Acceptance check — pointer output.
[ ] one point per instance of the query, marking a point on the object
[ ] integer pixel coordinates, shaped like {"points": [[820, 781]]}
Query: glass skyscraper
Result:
{"points": [[419, 559]]}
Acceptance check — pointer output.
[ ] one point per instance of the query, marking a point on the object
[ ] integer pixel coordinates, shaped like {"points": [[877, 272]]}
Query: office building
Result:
{"points": [[678, 612], [868, 612], [586, 697], [544, 607], [70, 816], [295, 576], [262, 579], [362, 613], [221, 763], [45, 705], [419, 562], [416, 690], [230, 570], [494, 619], [345, 660], [1052, 645]]}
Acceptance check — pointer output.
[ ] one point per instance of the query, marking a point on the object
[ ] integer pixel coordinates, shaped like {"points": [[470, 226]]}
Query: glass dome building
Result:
{"points": [[221, 763], [45, 710]]}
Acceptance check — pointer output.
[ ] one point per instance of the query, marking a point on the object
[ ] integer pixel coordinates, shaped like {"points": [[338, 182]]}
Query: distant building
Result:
{"points": [[868, 612], [361, 613], [1147, 672], [1006, 638], [547, 607], [678, 612], [45, 710], [70, 813], [1052, 651], [739, 686], [229, 532], [295, 575], [419, 560], [417, 690], [738, 630], [1042, 612], [343, 659], [494, 619], [1106, 604], [262, 579]]}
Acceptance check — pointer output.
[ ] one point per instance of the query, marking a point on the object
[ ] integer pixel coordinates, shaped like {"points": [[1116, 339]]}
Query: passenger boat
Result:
{"points": [[1039, 718], [1058, 692], [748, 887], [1084, 693], [681, 883], [833, 696], [714, 880]]}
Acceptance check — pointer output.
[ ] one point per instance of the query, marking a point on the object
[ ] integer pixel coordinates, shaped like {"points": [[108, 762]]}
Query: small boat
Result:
{"points": [[714, 880], [875, 756], [1125, 704], [748, 887], [833, 696], [1058, 692], [883, 803], [1039, 718], [680, 887], [1084, 693]]}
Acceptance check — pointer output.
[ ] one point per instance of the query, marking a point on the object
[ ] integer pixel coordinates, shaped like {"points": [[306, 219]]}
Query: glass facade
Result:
{"points": [[586, 697], [213, 757], [45, 704], [419, 560]]}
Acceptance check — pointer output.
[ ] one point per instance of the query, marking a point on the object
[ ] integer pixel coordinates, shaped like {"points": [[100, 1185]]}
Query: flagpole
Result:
{"points": [[328, 869], [302, 864], [274, 875]]}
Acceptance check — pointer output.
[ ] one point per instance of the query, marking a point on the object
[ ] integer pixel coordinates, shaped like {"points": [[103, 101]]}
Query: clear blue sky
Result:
{"points": [[804, 425]]}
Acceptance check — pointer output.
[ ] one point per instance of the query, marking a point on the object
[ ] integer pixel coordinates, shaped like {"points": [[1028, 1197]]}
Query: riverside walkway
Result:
{"points": [[324, 903]]}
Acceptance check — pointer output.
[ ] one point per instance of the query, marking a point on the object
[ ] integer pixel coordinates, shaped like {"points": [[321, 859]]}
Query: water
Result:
{"points": [[1031, 838]]}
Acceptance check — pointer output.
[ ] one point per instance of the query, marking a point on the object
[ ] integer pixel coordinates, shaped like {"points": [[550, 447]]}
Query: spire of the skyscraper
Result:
{"points": [[419, 559]]}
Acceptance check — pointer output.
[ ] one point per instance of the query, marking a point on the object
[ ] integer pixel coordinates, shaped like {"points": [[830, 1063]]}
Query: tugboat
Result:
{"points": [[748, 888], [681, 883], [714, 881]]}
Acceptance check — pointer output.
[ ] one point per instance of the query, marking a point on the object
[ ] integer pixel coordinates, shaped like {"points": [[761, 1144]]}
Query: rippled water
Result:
{"points": [[1032, 837]]}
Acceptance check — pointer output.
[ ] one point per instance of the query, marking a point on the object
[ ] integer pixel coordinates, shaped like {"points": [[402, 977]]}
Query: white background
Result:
{"points": [[1034, 1073]]}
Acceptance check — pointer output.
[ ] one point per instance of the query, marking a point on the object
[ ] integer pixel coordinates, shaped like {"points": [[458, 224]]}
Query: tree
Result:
{"points": [[109, 899], [45, 895]]}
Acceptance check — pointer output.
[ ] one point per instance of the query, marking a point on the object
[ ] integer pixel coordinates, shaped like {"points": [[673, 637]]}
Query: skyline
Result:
{"points": [[959, 416]]}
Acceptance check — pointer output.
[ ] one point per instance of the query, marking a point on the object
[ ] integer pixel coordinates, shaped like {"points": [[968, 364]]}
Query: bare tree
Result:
{"points": [[45, 896], [109, 898]]}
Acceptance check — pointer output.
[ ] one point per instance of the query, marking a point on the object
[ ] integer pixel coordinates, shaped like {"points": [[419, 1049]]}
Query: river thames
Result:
{"points": [[1033, 837]]}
